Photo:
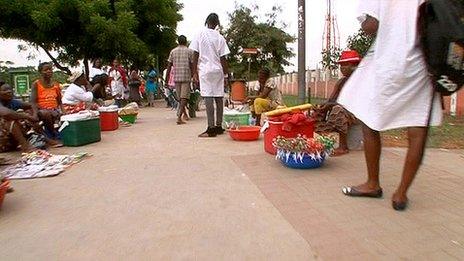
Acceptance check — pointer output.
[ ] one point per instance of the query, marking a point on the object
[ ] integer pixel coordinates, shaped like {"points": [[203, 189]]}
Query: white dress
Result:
{"points": [[211, 46], [391, 88]]}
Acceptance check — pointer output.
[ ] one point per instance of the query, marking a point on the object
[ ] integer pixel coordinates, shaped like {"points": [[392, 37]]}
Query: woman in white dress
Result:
{"points": [[391, 89]]}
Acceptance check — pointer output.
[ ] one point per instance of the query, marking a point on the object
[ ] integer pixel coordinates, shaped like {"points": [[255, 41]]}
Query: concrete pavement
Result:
{"points": [[154, 191]]}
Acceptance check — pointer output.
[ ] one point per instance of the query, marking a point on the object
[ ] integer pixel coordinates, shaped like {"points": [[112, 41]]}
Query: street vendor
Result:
{"points": [[332, 117], [19, 124], [46, 98], [76, 97], [269, 96], [100, 84]]}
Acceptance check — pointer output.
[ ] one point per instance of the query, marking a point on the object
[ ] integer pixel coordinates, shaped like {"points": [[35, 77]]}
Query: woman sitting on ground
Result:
{"points": [[269, 96], [46, 98], [76, 98], [15, 126], [332, 117]]}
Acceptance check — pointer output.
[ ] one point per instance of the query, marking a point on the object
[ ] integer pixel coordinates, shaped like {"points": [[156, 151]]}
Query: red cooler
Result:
{"points": [[275, 129], [109, 118]]}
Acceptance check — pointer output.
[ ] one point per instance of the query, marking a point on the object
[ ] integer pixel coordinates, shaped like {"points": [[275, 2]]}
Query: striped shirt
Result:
{"points": [[181, 58]]}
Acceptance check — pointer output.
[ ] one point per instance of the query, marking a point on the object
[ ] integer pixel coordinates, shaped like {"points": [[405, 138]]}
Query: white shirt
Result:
{"points": [[95, 71], [75, 94], [117, 85], [211, 46], [391, 88]]}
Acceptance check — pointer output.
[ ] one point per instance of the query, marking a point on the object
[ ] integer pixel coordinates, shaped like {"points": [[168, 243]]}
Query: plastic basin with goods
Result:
{"points": [[130, 118], [302, 152], [302, 162], [245, 133]]}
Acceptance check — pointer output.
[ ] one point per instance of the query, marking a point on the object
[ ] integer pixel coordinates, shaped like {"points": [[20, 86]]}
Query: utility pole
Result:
{"points": [[302, 52]]}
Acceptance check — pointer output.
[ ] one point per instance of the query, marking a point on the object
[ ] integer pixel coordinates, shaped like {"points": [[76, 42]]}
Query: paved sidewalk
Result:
{"points": [[154, 191]]}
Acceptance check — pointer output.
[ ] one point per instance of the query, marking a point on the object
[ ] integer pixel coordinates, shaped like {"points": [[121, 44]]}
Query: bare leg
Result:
{"points": [[372, 151], [183, 104], [18, 134], [417, 137], [48, 121], [342, 147]]}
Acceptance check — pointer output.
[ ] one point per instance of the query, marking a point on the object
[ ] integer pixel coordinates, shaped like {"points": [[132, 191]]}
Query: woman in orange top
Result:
{"points": [[46, 96]]}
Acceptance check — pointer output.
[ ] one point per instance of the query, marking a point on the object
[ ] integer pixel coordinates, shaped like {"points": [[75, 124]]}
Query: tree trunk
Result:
{"points": [[56, 63], [86, 67]]}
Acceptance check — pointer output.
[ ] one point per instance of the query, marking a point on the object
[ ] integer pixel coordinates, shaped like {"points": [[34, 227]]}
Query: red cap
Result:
{"points": [[350, 56]]}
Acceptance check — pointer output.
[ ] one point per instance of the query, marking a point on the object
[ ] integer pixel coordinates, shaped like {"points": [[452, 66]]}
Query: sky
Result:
{"points": [[196, 11]]}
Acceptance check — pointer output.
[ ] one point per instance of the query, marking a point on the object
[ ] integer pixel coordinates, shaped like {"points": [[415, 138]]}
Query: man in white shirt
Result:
{"points": [[210, 70], [78, 93]]}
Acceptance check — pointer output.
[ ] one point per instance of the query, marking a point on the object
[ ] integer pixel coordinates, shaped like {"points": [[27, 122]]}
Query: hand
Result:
{"points": [[196, 79]]}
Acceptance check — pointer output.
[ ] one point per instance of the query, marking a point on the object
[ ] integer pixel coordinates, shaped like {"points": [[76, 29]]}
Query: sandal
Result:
{"points": [[352, 192], [180, 122], [209, 133]]}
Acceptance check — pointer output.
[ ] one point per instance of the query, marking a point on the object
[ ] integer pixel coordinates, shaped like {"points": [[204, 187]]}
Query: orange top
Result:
{"points": [[47, 98]]}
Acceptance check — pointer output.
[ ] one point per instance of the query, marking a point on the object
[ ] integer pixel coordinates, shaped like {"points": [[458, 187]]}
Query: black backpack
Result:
{"points": [[441, 28]]}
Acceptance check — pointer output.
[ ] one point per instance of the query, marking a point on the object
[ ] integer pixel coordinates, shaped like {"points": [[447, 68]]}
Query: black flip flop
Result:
{"points": [[352, 192]]}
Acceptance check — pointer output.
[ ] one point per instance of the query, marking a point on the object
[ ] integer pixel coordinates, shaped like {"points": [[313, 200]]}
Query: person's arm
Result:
{"points": [[196, 55], [337, 89], [26, 106], [33, 99], [265, 93], [168, 72], [12, 115], [59, 98]]}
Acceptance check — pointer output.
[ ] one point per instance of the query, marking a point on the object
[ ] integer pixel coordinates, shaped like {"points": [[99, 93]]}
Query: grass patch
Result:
{"points": [[291, 100], [450, 135]]}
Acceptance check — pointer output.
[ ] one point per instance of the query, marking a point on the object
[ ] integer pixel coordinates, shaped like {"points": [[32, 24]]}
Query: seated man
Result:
{"points": [[332, 117], [269, 96], [14, 125], [76, 98]]}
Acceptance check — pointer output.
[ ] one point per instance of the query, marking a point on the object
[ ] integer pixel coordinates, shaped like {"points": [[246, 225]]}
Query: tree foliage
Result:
{"points": [[360, 42], [330, 58], [246, 31], [86, 29]]}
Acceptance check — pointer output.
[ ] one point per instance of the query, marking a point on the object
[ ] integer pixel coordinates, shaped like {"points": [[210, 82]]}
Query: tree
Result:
{"points": [[330, 58], [245, 31], [85, 29], [360, 42]]}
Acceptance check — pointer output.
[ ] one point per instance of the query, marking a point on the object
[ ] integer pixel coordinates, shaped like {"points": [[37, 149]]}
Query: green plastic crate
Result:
{"points": [[239, 119], [82, 132], [129, 118]]}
